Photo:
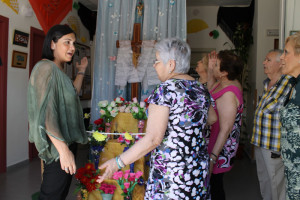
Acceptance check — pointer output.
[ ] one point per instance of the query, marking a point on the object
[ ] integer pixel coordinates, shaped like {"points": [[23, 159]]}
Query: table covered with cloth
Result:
{"points": [[123, 122]]}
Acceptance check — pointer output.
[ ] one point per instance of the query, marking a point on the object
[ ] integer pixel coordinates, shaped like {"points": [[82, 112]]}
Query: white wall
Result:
{"points": [[202, 39], [17, 121]]}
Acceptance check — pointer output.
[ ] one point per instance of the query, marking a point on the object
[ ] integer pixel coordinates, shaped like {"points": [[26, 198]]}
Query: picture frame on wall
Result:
{"points": [[293, 32], [21, 38], [19, 59], [196, 55]]}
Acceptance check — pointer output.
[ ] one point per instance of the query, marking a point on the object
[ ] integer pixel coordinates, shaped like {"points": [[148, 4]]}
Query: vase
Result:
{"points": [[141, 125], [131, 166], [106, 196], [96, 150]]}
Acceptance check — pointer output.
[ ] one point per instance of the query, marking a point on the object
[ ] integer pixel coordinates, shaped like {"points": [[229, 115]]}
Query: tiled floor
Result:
{"points": [[21, 181]]}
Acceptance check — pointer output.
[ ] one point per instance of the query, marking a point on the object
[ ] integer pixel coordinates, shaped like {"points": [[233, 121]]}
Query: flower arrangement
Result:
{"points": [[97, 139], [107, 188], [138, 110], [108, 111], [127, 181], [97, 142], [127, 139], [87, 177]]}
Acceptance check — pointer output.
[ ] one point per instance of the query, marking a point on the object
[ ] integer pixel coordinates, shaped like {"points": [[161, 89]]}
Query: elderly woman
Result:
{"points": [[226, 90], [201, 69], [178, 113], [290, 118]]}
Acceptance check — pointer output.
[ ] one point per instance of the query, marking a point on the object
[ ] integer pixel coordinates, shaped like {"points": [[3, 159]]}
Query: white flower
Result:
{"points": [[113, 104], [114, 112], [118, 100], [142, 104], [103, 103], [109, 108], [102, 112], [122, 109], [134, 100], [127, 110]]}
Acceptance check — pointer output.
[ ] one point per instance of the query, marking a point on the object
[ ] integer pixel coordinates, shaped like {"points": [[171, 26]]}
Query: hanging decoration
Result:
{"points": [[13, 4], [140, 9], [74, 24], [214, 34], [196, 25], [50, 12]]}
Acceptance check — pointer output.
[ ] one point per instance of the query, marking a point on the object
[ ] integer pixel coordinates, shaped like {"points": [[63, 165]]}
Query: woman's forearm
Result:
{"points": [[138, 150], [78, 82]]}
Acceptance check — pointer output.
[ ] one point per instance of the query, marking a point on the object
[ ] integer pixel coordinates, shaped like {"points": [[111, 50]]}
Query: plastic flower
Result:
{"points": [[99, 137], [128, 136], [87, 115], [103, 103]]}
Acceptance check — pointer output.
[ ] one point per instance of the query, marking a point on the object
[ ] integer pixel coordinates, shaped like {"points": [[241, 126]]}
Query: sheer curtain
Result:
{"points": [[115, 21], [162, 19]]}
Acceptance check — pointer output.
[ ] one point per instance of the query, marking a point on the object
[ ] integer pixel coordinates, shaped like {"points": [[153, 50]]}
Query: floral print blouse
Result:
{"points": [[179, 165], [290, 140]]}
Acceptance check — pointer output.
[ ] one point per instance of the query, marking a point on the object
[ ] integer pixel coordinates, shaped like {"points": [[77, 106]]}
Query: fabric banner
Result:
{"points": [[50, 12], [13, 4]]}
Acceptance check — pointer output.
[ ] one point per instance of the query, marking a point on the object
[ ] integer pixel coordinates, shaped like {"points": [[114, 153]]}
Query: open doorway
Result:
{"points": [[3, 89], [37, 37]]}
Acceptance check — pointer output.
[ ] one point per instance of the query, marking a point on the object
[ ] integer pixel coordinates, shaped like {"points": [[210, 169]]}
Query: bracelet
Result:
{"points": [[119, 167], [214, 155], [82, 73], [120, 163], [212, 160]]}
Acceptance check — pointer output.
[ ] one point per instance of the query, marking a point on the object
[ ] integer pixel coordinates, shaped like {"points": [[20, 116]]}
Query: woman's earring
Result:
{"points": [[170, 72]]}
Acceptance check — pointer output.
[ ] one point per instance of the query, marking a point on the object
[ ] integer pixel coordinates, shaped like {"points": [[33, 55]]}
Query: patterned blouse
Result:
{"points": [[290, 141], [179, 165]]}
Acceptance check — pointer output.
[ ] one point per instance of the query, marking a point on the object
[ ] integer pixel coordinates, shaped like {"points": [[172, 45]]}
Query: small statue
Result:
{"points": [[140, 9]]}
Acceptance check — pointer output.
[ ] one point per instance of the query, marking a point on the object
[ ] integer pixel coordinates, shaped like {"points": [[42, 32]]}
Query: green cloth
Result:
{"points": [[52, 102]]}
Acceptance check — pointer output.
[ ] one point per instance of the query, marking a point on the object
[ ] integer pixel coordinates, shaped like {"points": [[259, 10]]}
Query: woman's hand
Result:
{"points": [[83, 64], [110, 167], [67, 161], [212, 60]]}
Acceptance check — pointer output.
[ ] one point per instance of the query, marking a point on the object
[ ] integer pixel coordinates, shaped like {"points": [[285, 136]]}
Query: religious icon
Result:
{"points": [[140, 9]]}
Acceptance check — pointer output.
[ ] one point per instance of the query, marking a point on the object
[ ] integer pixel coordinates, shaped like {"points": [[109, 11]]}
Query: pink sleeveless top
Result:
{"points": [[227, 154]]}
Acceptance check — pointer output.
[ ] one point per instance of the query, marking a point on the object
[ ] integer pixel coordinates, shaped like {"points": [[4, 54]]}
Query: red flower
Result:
{"points": [[211, 34], [100, 129], [98, 121]]}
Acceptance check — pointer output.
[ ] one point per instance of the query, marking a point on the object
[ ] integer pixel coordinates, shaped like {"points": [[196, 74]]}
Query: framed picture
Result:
{"points": [[196, 55], [21, 38], [293, 32], [19, 59]]}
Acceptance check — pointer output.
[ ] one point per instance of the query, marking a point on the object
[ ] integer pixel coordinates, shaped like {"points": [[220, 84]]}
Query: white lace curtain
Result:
{"points": [[162, 19]]}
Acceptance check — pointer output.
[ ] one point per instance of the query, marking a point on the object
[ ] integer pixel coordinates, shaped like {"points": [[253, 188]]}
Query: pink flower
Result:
{"points": [[126, 175], [121, 139], [126, 184], [142, 104], [132, 177], [117, 175], [135, 109], [134, 100], [138, 174], [127, 171], [127, 141]]}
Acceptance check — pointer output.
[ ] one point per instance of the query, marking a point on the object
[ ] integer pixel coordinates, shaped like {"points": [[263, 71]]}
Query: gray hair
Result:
{"points": [[177, 50], [279, 53]]}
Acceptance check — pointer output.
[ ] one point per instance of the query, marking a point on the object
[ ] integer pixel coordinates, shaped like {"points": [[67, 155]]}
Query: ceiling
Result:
{"points": [[93, 4]]}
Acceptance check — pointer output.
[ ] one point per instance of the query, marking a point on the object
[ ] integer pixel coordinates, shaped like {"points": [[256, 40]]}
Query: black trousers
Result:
{"points": [[56, 182], [216, 187]]}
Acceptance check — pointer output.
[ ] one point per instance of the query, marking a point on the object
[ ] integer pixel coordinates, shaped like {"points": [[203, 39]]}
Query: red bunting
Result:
{"points": [[51, 12]]}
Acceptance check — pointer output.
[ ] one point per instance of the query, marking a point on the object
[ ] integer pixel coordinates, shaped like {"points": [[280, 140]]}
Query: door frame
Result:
{"points": [[4, 23], [33, 33]]}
